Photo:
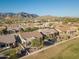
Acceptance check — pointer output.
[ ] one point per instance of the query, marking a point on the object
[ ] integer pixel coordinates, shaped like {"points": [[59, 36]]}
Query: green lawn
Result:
{"points": [[11, 53], [67, 50], [70, 52]]}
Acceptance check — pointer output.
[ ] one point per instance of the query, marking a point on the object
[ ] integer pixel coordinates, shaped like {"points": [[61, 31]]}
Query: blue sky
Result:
{"points": [[42, 7]]}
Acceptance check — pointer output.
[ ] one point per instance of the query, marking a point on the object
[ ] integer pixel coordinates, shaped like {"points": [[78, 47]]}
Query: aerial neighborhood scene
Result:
{"points": [[39, 29]]}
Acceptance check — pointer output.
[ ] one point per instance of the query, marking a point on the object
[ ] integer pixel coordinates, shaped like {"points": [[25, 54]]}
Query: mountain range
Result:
{"points": [[20, 15]]}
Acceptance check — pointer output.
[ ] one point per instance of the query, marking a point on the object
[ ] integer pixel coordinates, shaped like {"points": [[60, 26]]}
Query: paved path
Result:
{"points": [[4, 50], [47, 47]]}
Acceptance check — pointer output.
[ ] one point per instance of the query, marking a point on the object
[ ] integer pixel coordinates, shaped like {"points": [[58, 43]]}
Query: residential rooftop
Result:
{"points": [[7, 38]]}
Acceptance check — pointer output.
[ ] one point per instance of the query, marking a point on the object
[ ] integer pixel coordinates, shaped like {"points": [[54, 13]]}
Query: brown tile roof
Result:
{"points": [[31, 34], [7, 39], [48, 31]]}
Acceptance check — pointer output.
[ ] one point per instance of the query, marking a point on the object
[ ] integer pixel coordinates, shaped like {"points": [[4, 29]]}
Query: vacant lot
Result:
{"points": [[67, 50]]}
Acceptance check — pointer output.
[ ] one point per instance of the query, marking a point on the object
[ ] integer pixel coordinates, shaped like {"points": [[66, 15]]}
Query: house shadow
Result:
{"points": [[50, 42]]}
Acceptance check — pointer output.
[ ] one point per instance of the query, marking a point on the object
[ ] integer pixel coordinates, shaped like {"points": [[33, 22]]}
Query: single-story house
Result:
{"points": [[13, 28], [7, 41], [50, 33], [66, 30], [29, 36]]}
